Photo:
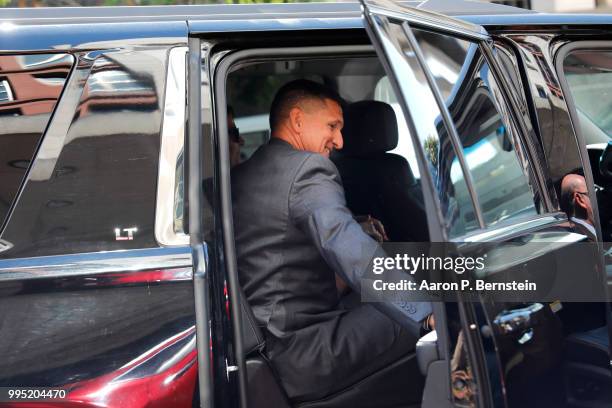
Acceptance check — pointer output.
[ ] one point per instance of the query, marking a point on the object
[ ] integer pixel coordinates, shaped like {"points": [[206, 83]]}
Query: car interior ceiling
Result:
{"points": [[376, 182]]}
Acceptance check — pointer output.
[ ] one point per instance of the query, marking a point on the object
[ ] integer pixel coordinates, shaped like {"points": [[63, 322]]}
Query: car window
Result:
{"points": [[405, 148], [589, 76], [105, 163], [495, 158], [30, 86], [437, 147]]}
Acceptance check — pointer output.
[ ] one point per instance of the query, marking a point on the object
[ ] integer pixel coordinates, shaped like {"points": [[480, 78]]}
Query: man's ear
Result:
{"points": [[580, 201], [296, 119]]}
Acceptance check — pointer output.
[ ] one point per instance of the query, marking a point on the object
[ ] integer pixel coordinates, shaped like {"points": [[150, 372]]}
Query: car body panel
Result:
{"points": [[90, 300]]}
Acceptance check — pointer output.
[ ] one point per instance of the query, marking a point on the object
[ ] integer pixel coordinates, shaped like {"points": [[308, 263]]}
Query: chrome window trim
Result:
{"points": [[172, 145], [84, 264], [517, 227]]}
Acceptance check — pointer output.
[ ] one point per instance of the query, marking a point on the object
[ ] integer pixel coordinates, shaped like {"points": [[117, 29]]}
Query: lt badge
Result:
{"points": [[125, 234]]}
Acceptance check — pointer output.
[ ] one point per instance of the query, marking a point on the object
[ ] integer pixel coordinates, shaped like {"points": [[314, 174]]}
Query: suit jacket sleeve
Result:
{"points": [[317, 207]]}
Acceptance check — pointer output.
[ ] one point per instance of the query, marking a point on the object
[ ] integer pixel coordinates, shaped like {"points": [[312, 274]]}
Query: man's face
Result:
{"points": [[321, 127], [575, 185]]}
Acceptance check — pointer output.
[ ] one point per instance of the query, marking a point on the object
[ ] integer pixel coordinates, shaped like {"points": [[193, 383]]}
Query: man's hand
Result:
{"points": [[428, 324], [372, 227], [341, 285]]}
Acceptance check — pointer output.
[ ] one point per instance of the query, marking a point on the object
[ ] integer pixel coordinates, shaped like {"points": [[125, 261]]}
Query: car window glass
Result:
{"points": [[496, 160], [405, 148], [105, 164], [439, 153], [29, 88], [589, 75]]}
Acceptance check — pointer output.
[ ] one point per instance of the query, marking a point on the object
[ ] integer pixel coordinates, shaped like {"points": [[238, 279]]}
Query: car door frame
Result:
{"points": [[440, 24], [563, 52], [218, 63], [444, 25], [560, 57]]}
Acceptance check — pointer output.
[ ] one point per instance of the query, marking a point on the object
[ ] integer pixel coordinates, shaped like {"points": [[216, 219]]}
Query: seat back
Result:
{"points": [[377, 182]]}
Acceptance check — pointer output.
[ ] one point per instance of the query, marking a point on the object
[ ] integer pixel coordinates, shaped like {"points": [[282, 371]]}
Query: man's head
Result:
{"points": [[308, 116], [575, 199]]}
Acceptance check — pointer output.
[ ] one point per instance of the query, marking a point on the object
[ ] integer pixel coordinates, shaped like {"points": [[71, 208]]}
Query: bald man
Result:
{"points": [[576, 203]]}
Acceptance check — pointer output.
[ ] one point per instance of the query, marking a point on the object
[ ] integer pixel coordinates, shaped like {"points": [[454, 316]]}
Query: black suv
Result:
{"points": [[118, 278]]}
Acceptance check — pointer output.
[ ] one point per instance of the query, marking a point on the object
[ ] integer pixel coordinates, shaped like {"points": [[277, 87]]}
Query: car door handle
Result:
{"points": [[518, 322]]}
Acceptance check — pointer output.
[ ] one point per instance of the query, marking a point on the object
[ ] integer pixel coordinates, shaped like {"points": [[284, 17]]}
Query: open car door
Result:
{"points": [[390, 29], [483, 184]]}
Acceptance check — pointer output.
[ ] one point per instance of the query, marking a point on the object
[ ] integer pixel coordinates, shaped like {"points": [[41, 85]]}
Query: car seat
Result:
{"points": [[375, 181], [588, 380]]}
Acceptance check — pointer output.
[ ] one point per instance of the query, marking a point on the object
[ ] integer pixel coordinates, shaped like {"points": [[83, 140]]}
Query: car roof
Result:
{"points": [[77, 15], [349, 13]]}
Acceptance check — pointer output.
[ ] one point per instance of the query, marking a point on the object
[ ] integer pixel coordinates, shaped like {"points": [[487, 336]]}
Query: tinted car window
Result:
{"points": [[437, 146], [589, 75], [495, 159], [93, 187], [30, 86]]}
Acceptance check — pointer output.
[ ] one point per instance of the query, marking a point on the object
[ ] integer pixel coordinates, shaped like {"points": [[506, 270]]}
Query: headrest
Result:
{"points": [[370, 128]]}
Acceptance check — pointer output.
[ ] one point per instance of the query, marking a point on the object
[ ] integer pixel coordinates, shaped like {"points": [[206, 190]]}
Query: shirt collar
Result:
{"points": [[585, 224]]}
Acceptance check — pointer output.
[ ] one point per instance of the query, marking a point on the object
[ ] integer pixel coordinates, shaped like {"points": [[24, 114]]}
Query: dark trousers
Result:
{"points": [[359, 358]]}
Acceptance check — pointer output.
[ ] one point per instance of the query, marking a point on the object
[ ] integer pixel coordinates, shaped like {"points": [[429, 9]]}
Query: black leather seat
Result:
{"points": [[377, 182], [591, 347], [588, 381]]}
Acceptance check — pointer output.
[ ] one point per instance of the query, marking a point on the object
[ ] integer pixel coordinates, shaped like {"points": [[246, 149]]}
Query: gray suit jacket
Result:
{"points": [[293, 231]]}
